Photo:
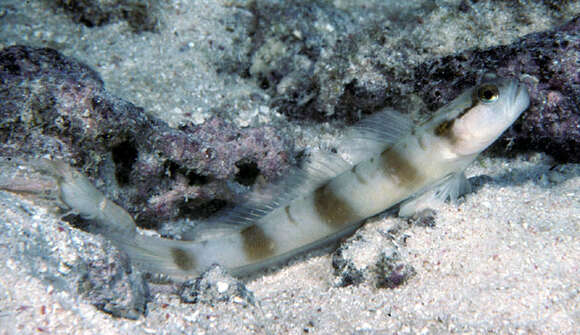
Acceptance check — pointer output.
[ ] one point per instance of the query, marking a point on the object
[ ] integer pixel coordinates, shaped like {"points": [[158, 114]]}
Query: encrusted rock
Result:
{"points": [[90, 13], [215, 286], [547, 62], [107, 281], [391, 270], [51, 105], [70, 260], [372, 257]]}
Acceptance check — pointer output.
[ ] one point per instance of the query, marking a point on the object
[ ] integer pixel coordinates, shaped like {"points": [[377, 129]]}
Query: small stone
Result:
{"points": [[392, 272], [215, 285], [222, 287], [365, 259]]}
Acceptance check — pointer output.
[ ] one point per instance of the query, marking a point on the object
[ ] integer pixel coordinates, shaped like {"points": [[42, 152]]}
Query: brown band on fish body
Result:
{"points": [[257, 245], [399, 168], [182, 259], [444, 129], [333, 210], [290, 217]]}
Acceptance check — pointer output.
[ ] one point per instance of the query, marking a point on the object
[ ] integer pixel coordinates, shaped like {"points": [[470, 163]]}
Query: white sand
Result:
{"points": [[504, 261]]}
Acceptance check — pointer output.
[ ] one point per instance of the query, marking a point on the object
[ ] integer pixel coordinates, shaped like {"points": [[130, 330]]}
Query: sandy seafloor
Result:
{"points": [[505, 260]]}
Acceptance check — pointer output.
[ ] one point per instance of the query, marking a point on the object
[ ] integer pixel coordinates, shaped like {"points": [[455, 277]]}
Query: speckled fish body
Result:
{"points": [[383, 172]]}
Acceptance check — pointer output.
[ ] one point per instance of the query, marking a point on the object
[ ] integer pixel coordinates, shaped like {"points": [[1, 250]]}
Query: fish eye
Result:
{"points": [[487, 93]]}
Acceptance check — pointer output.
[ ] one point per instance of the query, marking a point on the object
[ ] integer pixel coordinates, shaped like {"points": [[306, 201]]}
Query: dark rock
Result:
{"points": [[547, 62], [391, 270], [51, 105], [345, 270], [139, 15], [291, 43], [425, 218], [372, 258], [70, 260], [110, 283], [215, 286], [346, 74], [464, 6]]}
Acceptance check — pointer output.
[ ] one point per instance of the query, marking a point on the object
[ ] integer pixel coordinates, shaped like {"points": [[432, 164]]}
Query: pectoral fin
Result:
{"points": [[450, 188]]}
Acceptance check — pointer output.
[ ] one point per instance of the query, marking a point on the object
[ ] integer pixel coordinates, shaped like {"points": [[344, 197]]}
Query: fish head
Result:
{"points": [[483, 113]]}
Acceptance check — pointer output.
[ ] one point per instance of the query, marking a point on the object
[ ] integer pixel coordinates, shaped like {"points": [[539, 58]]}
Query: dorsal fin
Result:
{"points": [[374, 134], [367, 138]]}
